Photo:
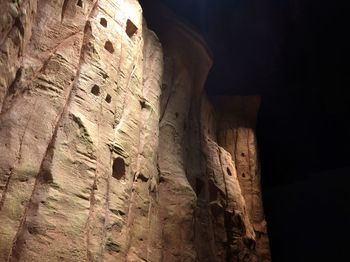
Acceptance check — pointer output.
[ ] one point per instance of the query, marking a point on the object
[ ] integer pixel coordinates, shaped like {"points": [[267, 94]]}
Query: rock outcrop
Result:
{"points": [[109, 147], [236, 133]]}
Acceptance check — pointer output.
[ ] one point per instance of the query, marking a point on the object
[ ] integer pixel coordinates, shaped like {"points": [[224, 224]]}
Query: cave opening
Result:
{"points": [[109, 47], [130, 29], [294, 55], [95, 90], [118, 168], [80, 3], [103, 22], [108, 98]]}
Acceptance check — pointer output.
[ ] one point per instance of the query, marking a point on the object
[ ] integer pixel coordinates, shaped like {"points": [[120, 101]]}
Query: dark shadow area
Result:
{"points": [[295, 54], [308, 219], [304, 138]]}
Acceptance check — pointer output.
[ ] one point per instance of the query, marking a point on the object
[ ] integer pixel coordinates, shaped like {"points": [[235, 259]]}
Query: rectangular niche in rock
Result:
{"points": [[118, 168], [131, 28]]}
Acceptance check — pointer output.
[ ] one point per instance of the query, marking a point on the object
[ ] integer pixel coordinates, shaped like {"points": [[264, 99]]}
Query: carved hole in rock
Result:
{"points": [[199, 186], [109, 47], [108, 98], [143, 104], [103, 22], [80, 3], [95, 90], [242, 154], [118, 168], [243, 174], [229, 172], [131, 28]]}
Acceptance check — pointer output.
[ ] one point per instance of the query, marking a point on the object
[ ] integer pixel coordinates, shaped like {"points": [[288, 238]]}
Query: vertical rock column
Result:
{"points": [[203, 212], [143, 214], [232, 233], [236, 133], [186, 65]]}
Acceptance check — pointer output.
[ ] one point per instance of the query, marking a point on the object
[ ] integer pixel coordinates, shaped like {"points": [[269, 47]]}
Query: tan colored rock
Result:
{"points": [[105, 153], [230, 227], [236, 133], [16, 21], [186, 66], [79, 135]]}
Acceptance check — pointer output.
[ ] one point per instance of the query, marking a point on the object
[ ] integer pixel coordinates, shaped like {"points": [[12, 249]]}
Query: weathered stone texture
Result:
{"points": [[81, 102], [236, 133], [108, 144]]}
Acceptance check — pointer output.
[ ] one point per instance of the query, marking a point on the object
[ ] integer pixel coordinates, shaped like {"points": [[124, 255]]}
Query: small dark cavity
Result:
{"points": [[118, 168], [108, 98], [109, 47], [103, 22], [131, 28], [143, 104], [95, 90], [142, 177]]}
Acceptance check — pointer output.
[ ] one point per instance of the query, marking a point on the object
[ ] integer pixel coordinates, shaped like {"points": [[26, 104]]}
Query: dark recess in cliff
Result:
{"points": [[295, 55]]}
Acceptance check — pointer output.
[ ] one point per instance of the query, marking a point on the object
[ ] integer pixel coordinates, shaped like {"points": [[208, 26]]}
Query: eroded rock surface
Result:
{"points": [[236, 133], [109, 148]]}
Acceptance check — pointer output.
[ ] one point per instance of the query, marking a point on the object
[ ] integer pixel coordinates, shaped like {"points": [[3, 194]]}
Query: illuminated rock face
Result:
{"points": [[105, 153], [236, 133]]}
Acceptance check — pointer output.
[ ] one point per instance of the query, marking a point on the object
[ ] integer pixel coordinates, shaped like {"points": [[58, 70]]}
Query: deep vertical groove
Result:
{"points": [[64, 8]]}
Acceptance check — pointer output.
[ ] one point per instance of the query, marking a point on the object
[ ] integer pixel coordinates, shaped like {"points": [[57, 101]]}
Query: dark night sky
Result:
{"points": [[295, 54]]}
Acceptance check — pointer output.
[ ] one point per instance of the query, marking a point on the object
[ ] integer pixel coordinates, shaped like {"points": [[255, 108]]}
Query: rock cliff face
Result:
{"points": [[236, 133], [110, 149]]}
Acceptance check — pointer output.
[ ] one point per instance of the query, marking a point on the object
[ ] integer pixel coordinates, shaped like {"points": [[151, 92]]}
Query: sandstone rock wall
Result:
{"points": [[236, 133], [79, 128], [105, 148], [231, 228]]}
